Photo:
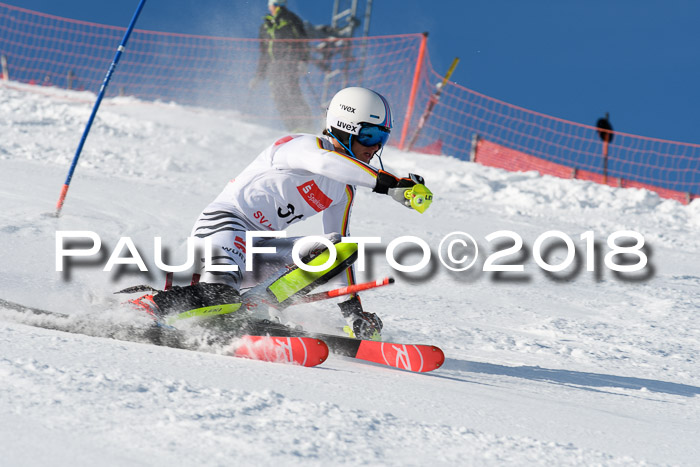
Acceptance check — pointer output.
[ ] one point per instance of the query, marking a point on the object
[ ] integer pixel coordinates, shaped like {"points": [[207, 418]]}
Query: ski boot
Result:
{"points": [[361, 324]]}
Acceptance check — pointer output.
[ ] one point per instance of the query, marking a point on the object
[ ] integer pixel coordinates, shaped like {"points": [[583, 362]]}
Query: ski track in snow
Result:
{"points": [[575, 368]]}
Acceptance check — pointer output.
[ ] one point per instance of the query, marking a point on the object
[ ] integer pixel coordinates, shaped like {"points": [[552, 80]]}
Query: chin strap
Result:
{"points": [[379, 156]]}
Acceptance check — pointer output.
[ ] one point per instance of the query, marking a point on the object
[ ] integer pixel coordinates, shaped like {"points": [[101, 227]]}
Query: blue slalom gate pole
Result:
{"points": [[101, 94]]}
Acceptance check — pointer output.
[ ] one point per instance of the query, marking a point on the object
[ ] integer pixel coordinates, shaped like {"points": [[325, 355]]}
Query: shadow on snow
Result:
{"points": [[589, 381]]}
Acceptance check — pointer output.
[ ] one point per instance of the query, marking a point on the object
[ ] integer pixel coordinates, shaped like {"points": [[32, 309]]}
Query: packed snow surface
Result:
{"points": [[575, 367]]}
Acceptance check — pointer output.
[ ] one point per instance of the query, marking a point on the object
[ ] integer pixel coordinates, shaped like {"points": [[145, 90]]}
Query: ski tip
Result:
{"points": [[432, 359], [137, 289], [419, 358], [323, 352], [440, 357]]}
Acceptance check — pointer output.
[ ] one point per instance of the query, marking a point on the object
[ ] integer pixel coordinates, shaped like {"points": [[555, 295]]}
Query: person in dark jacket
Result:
{"points": [[282, 62]]}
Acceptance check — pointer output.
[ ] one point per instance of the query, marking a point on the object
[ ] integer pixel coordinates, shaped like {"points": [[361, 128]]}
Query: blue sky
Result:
{"points": [[576, 60]]}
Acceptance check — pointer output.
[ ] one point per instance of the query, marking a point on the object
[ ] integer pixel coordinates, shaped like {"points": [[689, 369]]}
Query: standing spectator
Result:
{"points": [[283, 61]]}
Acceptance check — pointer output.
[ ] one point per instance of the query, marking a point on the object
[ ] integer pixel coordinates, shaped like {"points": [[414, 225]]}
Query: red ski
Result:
{"points": [[305, 351], [411, 357]]}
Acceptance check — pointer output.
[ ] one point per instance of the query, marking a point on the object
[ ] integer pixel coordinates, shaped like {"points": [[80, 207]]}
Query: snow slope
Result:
{"points": [[571, 368]]}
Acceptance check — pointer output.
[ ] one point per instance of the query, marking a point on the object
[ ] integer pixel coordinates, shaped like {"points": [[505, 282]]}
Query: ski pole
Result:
{"points": [[100, 95], [433, 101], [350, 289]]}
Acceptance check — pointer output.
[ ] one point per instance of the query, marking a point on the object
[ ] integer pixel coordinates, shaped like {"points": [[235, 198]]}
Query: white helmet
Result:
{"points": [[359, 112]]}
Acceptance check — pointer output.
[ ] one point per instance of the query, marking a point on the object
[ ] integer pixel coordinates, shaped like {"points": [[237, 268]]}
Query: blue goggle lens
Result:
{"points": [[372, 135]]}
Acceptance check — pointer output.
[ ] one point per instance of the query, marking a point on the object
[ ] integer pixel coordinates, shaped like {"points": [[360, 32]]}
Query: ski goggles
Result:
{"points": [[371, 135]]}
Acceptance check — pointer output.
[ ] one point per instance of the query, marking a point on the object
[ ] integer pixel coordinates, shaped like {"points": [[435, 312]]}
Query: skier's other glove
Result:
{"points": [[409, 191], [361, 324]]}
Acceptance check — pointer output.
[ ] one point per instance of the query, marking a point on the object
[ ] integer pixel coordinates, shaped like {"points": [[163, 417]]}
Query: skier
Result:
{"points": [[295, 178]]}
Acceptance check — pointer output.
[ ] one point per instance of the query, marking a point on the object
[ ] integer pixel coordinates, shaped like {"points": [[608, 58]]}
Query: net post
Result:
{"points": [[474, 147], [5, 72], [414, 89]]}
